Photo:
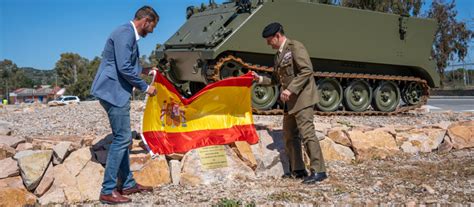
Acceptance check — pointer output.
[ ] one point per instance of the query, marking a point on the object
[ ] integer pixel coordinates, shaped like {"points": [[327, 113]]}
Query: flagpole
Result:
{"points": [[153, 155]]}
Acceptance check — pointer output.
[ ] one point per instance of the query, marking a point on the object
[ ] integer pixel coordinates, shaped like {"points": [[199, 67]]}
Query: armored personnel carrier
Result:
{"points": [[365, 62]]}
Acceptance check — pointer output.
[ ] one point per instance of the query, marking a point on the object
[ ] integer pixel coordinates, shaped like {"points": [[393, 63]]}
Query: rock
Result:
{"points": [[65, 181], [322, 127], [175, 171], [422, 110], [24, 146], [362, 127], [462, 134], [61, 150], [81, 188], [320, 135], [411, 146], [243, 150], [410, 204], [50, 141], [422, 140], [339, 136], [442, 125], [154, 173], [372, 144], [446, 145], [336, 152], [11, 140], [428, 188], [5, 128], [137, 161], [16, 197], [42, 145], [175, 156], [268, 125], [403, 128], [6, 151], [389, 128], [77, 160], [9, 168], [214, 164], [33, 166], [270, 155], [53, 196], [139, 147], [46, 181], [89, 181], [13, 182], [87, 141], [21, 154], [102, 142]]}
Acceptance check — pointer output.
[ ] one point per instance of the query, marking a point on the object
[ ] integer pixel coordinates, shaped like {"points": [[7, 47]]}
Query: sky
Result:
{"points": [[33, 33]]}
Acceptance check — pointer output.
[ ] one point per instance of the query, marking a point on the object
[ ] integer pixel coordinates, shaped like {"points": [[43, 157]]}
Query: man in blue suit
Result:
{"points": [[118, 73]]}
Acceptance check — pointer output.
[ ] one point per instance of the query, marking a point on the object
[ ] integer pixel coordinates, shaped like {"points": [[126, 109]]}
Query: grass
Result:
{"points": [[230, 202]]}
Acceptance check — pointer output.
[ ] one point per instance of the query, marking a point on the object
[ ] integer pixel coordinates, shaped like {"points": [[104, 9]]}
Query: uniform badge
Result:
{"points": [[287, 56]]}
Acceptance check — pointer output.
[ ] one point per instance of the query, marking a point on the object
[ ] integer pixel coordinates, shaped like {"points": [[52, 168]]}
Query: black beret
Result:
{"points": [[271, 29]]}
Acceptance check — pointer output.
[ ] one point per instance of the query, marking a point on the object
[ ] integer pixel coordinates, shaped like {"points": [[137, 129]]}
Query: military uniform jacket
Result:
{"points": [[294, 71]]}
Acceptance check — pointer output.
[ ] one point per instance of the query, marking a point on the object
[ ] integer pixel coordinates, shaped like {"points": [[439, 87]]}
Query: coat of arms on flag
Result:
{"points": [[221, 113]]}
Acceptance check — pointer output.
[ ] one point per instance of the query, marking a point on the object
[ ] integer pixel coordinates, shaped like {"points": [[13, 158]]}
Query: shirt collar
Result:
{"points": [[137, 37], [282, 46]]}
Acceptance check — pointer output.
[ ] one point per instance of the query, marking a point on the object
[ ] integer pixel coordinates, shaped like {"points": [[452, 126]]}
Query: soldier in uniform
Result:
{"points": [[294, 71]]}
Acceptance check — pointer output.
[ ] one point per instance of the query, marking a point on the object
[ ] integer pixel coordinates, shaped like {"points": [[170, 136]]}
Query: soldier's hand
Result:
{"points": [[256, 77], [285, 95], [151, 91]]}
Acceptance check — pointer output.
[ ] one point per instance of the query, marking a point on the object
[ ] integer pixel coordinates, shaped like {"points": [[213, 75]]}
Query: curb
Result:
{"points": [[451, 97]]}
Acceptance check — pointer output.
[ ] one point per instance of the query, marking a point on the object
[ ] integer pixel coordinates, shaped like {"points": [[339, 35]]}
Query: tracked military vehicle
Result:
{"points": [[364, 62]]}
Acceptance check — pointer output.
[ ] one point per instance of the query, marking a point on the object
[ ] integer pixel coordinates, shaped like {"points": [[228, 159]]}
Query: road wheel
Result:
{"points": [[264, 97], [330, 94], [357, 95], [386, 96], [411, 93]]}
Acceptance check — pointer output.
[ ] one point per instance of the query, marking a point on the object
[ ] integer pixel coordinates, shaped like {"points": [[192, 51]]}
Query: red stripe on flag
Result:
{"points": [[167, 143], [243, 81]]}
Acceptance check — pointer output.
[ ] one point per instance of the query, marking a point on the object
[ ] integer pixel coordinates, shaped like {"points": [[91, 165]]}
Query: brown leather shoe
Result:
{"points": [[114, 198], [137, 189]]}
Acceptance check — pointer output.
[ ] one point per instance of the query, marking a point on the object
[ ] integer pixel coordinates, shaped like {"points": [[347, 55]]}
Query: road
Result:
{"points": [[456, 104]]}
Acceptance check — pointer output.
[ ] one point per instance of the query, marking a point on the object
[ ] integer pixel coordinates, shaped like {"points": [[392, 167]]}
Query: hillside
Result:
{"points": [[38, 76]]}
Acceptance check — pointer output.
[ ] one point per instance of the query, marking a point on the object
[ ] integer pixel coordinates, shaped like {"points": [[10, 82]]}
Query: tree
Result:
{"points": [[452, 36], [69, 67], [83, 85], [153, 58], [12, 78], [401, 7]]}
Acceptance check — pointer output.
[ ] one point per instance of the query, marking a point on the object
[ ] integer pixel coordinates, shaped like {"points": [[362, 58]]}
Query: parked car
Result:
{"points": [[29, 101], [63, 100]]}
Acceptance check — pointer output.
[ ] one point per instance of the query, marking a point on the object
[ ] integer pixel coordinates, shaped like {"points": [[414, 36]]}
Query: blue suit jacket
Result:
{"points": [[120, 69]]}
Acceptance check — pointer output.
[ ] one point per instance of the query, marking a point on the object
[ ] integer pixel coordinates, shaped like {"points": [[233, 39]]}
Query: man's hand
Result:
{"points": [[285, 95], [256, 77], [151, 90]]}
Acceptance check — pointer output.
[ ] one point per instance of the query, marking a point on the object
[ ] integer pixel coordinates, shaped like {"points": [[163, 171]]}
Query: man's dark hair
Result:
{"points": [[147, 12]]}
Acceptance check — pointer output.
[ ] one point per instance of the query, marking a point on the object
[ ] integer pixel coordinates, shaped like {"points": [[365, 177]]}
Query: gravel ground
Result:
{"points": [[402, 179], [422, 179], [88, 118]]}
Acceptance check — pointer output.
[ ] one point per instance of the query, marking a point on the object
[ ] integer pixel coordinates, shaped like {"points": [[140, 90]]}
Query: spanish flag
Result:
{"points": [[220, 113]]}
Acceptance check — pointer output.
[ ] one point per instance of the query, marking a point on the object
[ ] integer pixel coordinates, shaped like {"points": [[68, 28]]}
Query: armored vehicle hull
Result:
{"points": [[365, 62]]}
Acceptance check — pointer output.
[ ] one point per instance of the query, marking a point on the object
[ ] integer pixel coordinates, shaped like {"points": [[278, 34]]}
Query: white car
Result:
{"points": [[63, 100]]}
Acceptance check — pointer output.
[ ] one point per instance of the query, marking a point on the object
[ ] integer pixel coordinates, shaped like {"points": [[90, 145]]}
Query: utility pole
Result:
{"points": [[464, 73], [75, 73]]}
